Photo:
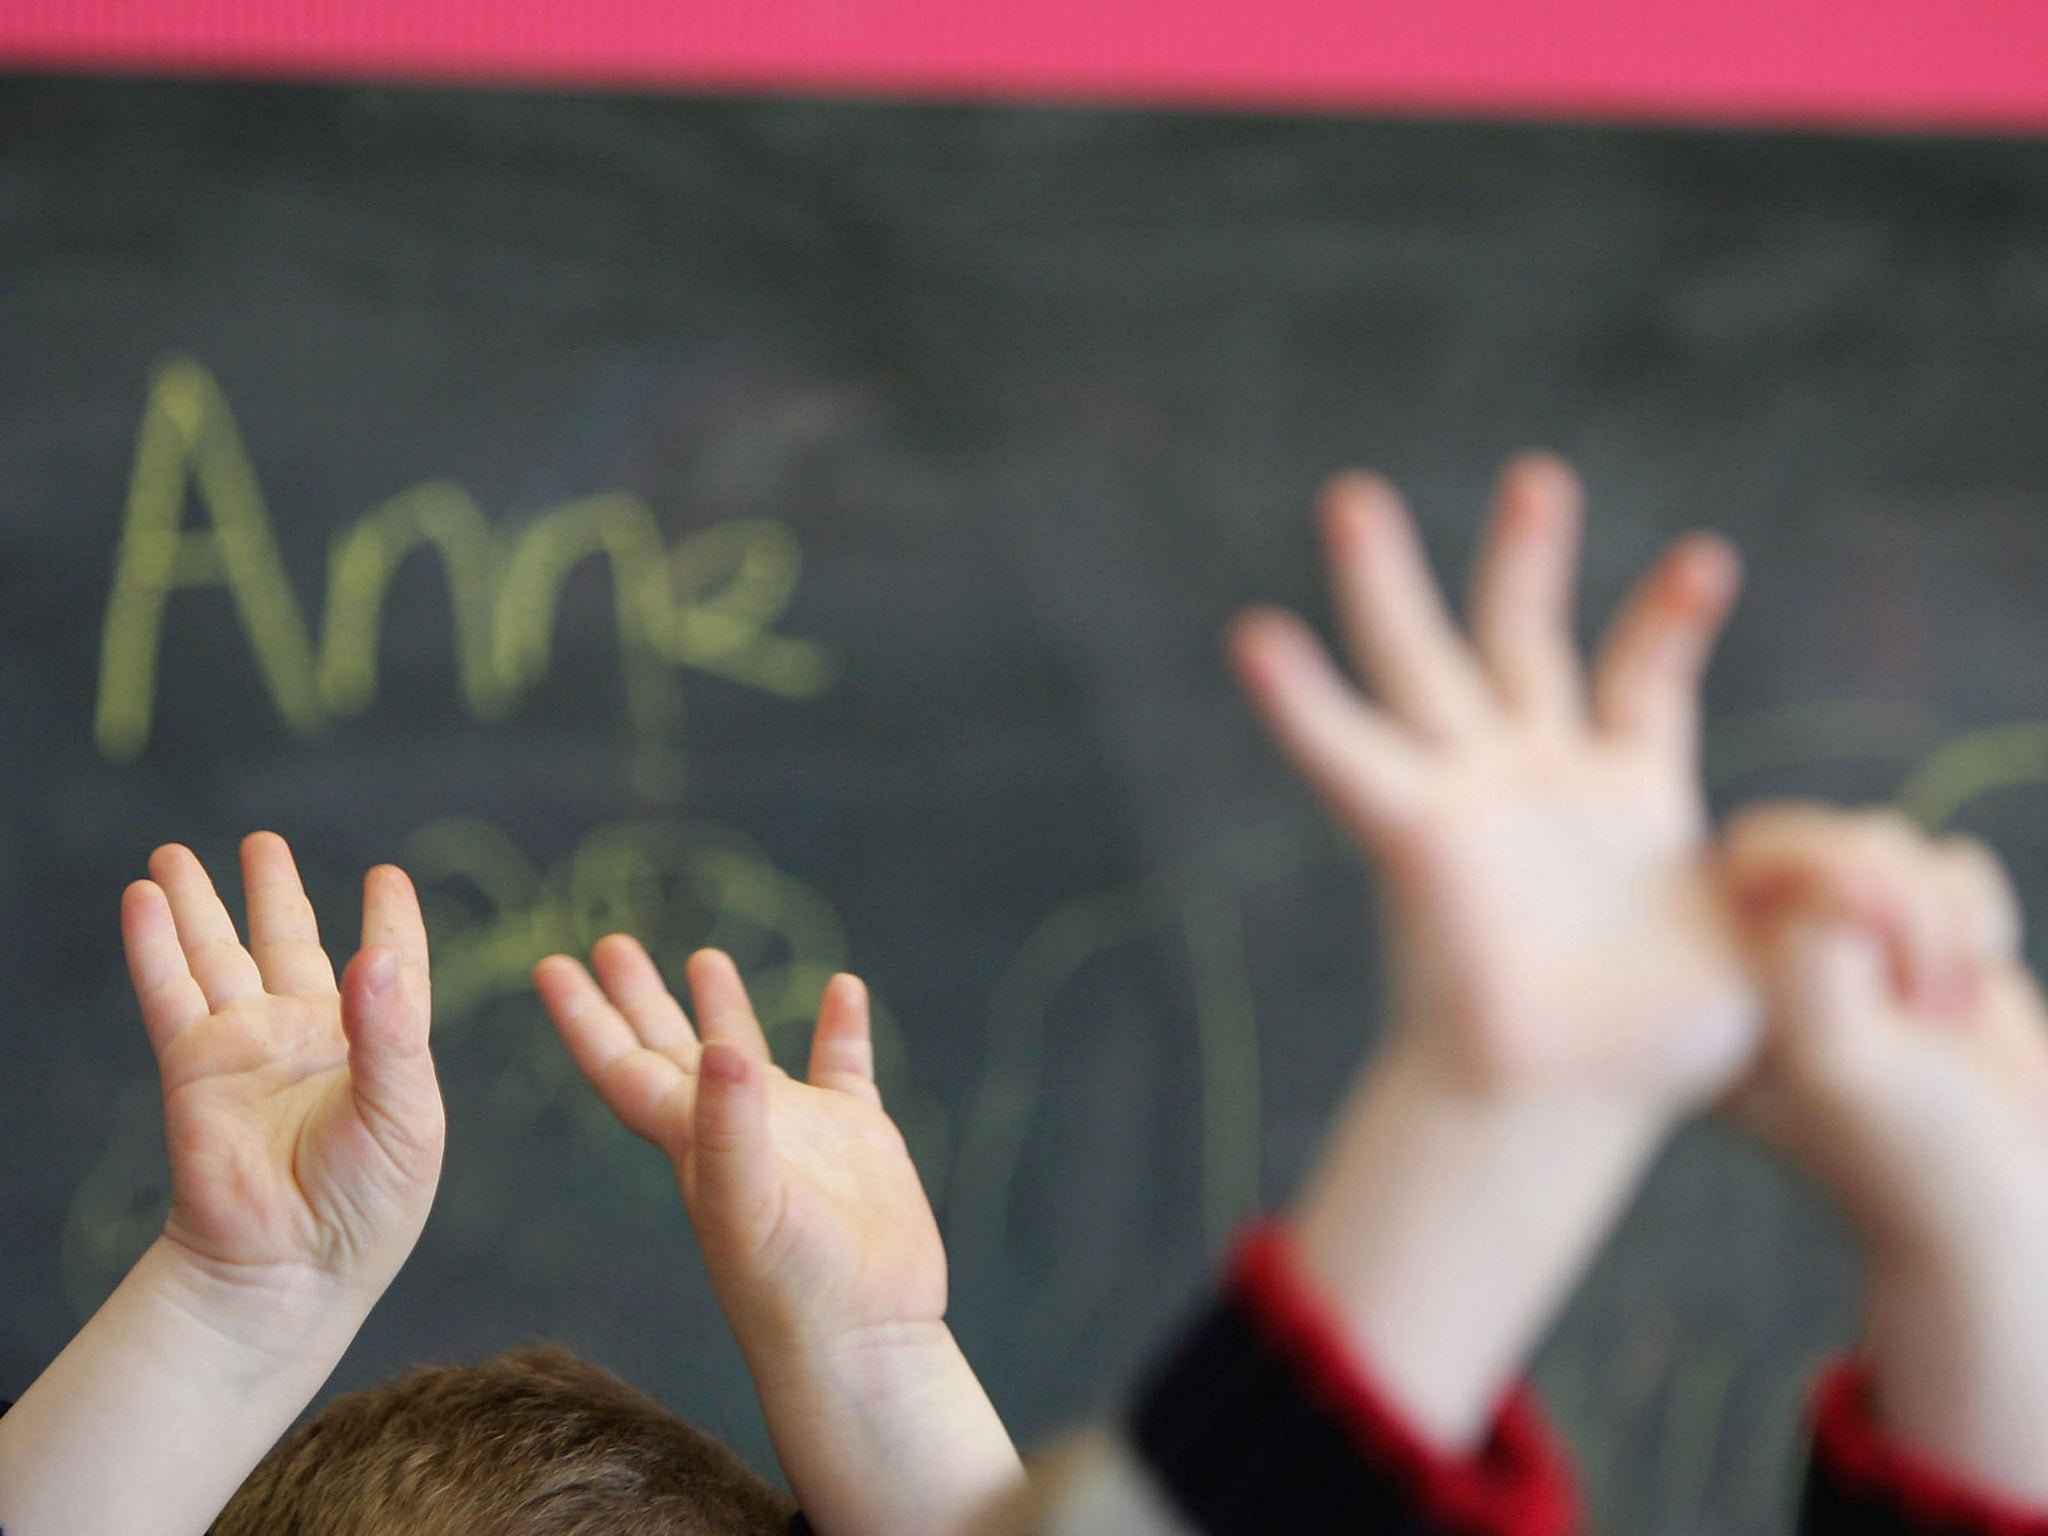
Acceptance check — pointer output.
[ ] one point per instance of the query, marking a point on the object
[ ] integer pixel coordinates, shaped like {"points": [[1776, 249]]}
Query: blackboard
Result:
{"points": [[807, 526]]}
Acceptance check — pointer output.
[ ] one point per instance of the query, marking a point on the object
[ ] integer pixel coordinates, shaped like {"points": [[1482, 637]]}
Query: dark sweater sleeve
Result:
{"points": [[1861, 1482], [1261, 1421]]}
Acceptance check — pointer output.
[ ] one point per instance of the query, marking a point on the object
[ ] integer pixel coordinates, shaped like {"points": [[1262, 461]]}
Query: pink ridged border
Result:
{"points": [[1961, 64]]}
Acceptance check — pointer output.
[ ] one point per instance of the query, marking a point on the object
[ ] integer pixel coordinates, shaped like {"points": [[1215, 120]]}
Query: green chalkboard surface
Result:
{"points": [[806, 528]]}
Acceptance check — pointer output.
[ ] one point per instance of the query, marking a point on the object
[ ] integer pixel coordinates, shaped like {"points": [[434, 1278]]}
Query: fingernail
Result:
{"points": [[722, 1063], [380, 972]]}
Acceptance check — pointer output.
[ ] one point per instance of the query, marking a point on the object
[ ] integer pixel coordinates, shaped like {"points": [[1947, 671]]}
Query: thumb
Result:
{"points": [[1821, 979], [391, 1070], [1826, 978], [735, 1204]]}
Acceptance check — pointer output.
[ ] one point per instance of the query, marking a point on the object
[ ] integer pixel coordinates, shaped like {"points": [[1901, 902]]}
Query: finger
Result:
{"points": [[1991, 907], [1646, 682], [1830, 978], [1837, 862], [843, 1046], [171, 1000], [633, 983], [1366, 769], [735, 1194], [653, 1095], [724, 1011], [390, 1067], [224, 970], [1895, 882], [392, 920], [1869, 869], [1771, 832], [1785, 855], [1930, 941], [595, 1032], [1522, 593], [284, 934], [1975, 923], [1392, 612]]}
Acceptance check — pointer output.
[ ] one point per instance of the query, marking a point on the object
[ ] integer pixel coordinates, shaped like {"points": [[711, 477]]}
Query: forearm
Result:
{"points": [[889, 1434], [164, 1401], [1446, 1228], [1958, 1358]]}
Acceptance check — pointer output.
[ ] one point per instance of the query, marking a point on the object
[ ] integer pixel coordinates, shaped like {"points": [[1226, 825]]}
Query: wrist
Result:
{"points": [[880, 1360], [1447, 1224], [163, 1402], [275, 1312], [884, 1430]]}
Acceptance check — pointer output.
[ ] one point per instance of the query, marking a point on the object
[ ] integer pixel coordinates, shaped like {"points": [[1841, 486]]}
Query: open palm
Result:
{"points": [[804, 1197], [302, 1119], [1540, 832]]}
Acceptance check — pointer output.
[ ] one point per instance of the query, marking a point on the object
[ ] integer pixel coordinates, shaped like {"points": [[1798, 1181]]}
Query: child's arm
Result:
{"points": [[304, 1129], [819, 1239], [1565, 984], [1906, 1072], [1565, 988]]}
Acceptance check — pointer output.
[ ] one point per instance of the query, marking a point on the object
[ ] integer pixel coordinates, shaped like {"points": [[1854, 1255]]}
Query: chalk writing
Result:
{"points": [[119, 1206], [1941, 777], [706, 603], [1199, 901], [1972, 766], [1653, 1414], [676, 885]]}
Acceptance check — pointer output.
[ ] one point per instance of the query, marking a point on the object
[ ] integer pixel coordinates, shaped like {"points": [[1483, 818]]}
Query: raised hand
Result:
{"points": [[804, 1196], [817, 1233], [303, 1121], [304, 1129], [1540, 832], [1905, 1071], [1566, 982]]}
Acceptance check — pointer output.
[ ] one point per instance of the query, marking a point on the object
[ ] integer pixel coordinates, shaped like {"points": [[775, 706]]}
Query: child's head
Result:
{"points": [[534, 1443]]}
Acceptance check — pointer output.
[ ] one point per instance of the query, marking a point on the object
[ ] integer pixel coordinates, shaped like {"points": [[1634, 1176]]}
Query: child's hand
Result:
{"points": [[303, 1121], [1907, 1066], [817, 1233], [304, 1129], [1541, 837], [1905, 1070], [803, 1194], [1566, 982]]}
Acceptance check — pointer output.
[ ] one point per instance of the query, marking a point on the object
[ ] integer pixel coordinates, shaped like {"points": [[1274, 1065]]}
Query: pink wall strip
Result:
{"points": [[1962, 64]]}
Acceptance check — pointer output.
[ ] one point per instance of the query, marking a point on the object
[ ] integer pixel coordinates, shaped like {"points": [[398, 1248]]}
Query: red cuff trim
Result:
{"points": [[1518, 1484], [1858, 1458]]}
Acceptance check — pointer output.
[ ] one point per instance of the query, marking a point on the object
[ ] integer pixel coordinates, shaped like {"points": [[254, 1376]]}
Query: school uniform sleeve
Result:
{"points": [[1258, 1422], [1861, 1482]]}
